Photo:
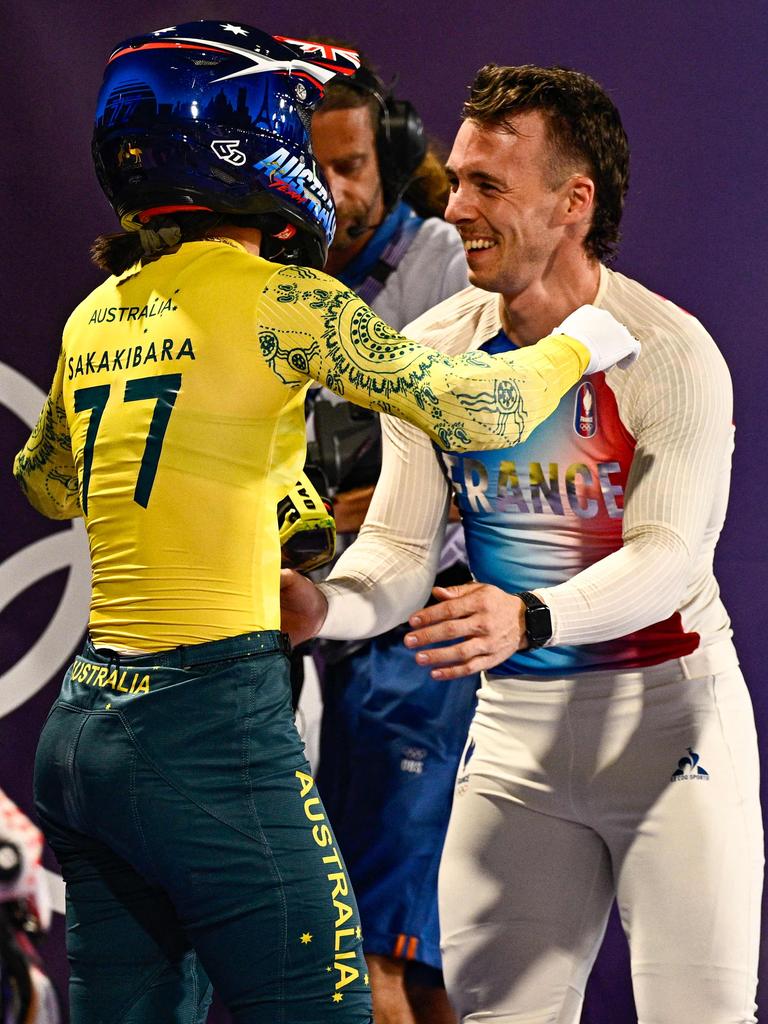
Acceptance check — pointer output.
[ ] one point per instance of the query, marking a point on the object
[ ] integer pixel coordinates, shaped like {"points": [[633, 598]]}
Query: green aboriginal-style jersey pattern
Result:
{"points": [[175, 424], [471, 400], [46, 461]]}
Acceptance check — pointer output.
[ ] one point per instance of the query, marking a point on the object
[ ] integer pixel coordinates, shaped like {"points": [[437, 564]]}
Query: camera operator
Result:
{"points": [[391, 737]]}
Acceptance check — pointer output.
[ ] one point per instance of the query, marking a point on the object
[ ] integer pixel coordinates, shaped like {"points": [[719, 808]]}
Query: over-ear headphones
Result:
{"points": [[401, 143]]}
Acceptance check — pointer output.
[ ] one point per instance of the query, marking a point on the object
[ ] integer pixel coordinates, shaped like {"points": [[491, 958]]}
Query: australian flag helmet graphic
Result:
{"points": [[215, 115]]}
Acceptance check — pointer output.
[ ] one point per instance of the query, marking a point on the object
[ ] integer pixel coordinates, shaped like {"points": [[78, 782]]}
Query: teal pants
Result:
{"points": [[195, 849]]}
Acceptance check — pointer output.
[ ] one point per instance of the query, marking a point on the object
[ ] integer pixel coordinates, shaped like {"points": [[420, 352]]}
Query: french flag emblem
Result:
{"points": [[585, 410]]}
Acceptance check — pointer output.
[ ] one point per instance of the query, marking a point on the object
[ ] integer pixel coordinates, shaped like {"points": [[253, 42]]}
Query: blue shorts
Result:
{"points": [[390, 746]]}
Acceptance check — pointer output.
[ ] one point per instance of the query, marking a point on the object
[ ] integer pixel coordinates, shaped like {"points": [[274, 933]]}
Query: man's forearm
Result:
{"points": [[373, 588], [641, 583]]}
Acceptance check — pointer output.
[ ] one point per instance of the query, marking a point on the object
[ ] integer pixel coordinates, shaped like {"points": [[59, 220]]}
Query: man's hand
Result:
{"points": [[608, 341], [302, 607], [489, 623]]}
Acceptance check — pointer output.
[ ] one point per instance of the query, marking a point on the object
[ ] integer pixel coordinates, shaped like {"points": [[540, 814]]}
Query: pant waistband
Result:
{"points": [[707, 661], [262, 642]]}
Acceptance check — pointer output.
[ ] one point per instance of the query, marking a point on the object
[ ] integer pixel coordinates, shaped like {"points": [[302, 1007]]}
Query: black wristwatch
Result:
{"points": [[538, 621]]}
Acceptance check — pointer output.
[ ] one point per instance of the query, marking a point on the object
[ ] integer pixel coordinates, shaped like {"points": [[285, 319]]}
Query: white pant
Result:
{"points": [[642, 785]]}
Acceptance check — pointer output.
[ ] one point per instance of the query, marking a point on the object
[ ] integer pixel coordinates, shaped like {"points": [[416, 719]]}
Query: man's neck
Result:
{"points": [[249, 238], [338, 259], [534, 312]]}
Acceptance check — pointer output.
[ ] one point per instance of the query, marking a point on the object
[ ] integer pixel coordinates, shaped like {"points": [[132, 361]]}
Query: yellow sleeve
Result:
{"points": [[45, 468], [312, 326]]}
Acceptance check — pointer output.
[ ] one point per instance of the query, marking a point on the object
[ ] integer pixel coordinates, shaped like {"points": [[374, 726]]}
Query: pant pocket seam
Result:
{"points": [[258, 838], [274, 869]]}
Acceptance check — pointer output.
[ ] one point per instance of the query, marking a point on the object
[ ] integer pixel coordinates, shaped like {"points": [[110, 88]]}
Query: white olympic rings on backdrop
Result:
{"points": [[61, 550], [65, 549]]}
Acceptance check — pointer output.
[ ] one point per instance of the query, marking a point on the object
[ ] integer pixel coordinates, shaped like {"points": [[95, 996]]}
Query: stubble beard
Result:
{"points": [[355, 214]]}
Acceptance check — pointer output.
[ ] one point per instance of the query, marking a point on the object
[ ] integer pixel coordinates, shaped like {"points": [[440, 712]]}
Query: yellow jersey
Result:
{"points": [[175, 424]]}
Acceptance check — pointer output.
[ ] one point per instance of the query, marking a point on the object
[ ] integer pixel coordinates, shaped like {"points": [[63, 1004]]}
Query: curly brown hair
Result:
{"points": [[585, 131]]}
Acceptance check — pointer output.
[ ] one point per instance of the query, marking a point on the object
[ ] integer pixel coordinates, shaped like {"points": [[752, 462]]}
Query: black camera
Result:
{"points": [[347, 449]]}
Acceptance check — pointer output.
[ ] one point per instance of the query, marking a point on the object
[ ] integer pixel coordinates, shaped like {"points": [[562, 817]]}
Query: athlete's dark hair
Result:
{"points": [[117, 251], [429, 188], [585, 132]]}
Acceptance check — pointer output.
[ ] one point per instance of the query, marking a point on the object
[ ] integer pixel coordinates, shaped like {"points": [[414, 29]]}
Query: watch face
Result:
{"points": [[538, 624]]}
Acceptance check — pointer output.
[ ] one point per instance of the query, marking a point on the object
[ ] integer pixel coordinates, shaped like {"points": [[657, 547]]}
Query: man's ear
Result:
{"points": [[579, 198]]}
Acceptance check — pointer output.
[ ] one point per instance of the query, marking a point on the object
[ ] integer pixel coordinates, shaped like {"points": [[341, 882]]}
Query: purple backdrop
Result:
{"points": [[689, 80]]}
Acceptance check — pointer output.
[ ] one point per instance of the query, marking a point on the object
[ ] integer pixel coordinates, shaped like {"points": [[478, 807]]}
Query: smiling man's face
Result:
{"points": [[504, 203]]}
